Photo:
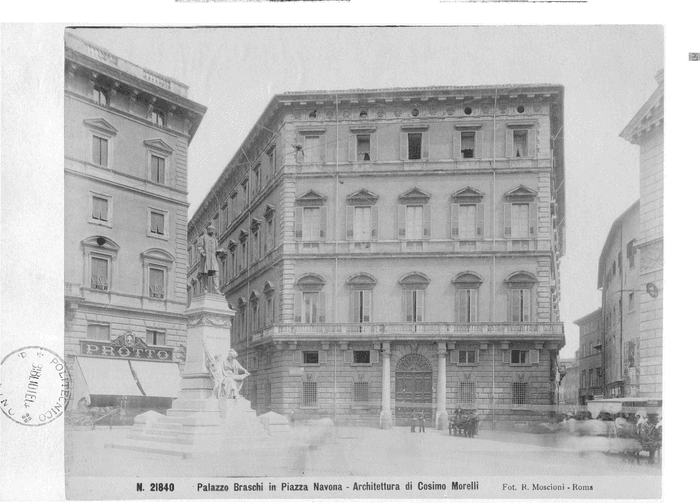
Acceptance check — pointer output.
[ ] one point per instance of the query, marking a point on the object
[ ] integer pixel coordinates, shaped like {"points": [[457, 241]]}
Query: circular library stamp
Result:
{"points": [[34, 386]]}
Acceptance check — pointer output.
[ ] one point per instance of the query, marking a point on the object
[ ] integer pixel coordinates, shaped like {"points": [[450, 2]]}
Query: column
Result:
{"points": [[441, 419], [385, 421]]}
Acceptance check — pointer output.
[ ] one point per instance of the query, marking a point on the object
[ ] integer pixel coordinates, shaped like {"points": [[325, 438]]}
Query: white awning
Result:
{"points": [[105, 376], [158, 379]]}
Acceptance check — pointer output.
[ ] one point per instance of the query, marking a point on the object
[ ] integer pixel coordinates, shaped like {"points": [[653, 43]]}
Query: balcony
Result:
{"points": [[483, 332]]}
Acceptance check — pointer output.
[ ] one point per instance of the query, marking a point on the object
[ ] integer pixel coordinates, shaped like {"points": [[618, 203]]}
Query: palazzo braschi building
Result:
{"points": [[127, 132], [394, 252]]}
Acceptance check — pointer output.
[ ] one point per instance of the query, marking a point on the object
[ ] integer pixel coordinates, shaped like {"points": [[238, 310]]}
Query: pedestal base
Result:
{"points": [[385, 422], [442, 420]]}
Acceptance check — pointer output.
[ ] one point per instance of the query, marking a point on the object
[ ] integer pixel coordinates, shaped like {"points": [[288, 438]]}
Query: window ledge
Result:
{"points": [[309, 407], [360, 406], [100, 223], [468, 364], [90, 289], [521, 364], [310, 365], [361, 364], [158, 236]]}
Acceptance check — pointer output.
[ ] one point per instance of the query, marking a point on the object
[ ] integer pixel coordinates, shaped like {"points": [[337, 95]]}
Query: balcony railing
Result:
{"points": [[486, 330]]}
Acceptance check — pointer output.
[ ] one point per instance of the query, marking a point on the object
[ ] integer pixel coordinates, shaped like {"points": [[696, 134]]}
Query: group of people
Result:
{"points": [[465, 422], [418, 420]]}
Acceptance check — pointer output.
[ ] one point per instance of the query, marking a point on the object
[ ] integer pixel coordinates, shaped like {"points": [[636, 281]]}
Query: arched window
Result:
{"points": [[269, 307], [100, 263], [310, 300], [157, 265], [254, 310], [520, 285], [361, 286], [414, 286]]}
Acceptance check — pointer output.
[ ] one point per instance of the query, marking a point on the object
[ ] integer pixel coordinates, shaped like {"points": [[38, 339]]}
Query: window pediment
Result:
{"points": [[468, 195], [242, 303], [268, 288], [311, 198], [101, 243], [157, 254], [102, 126], [232, 244], [520, 124], [312, 131], [362, 129], [362, 280], [160, 145], [310, 282], [254, 296], [409, 128], [255, 224], [362, 197], [414, 280], [415, 195], [242, 236], [521, 279], [468, 126], [521, 193], [468, 280]]}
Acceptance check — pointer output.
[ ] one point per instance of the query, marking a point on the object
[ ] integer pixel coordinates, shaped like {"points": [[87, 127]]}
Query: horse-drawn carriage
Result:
{"points": [[462, 423]]}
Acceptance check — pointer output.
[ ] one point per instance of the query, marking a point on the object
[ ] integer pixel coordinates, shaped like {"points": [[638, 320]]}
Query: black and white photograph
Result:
{"points": [[358, 262]]}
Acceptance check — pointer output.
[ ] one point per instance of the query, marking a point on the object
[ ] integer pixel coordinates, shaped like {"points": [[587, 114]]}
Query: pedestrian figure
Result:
{"points": [[421, 422], [413, 423]]}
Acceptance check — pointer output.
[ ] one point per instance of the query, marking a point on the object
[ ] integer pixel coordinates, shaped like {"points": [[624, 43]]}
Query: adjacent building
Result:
{"points": [[590, 357], [568, 384], [646, 129], [127, 132], [394, 252], [618, 279]]}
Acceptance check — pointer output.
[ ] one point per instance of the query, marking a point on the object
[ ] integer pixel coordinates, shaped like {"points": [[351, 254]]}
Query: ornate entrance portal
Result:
{"points": [[414, 389]]}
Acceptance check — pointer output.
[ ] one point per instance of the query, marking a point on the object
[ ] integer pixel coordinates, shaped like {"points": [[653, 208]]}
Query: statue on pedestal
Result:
{"points": [[208, 263], [228, 375]]}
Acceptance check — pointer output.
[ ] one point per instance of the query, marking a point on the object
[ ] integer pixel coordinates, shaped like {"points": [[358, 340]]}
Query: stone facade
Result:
{"points": [[646, 129], [125, 217], [589, 357], [395, 252]]}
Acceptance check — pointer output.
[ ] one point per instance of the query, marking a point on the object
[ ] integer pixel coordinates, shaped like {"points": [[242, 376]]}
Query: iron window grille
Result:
{"points": [[309, 394], [519, 393], [467, 393], [361, 392]]}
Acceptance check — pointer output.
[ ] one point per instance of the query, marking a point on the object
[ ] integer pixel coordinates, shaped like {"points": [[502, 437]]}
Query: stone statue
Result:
{"points": [[234, 373], [208, 263]]}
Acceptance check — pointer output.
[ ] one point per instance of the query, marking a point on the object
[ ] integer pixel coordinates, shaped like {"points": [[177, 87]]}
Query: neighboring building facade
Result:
{"points": [[396, 251], [569, 384], [646, 129], [590, 357], [127, 132], [618, 279]]}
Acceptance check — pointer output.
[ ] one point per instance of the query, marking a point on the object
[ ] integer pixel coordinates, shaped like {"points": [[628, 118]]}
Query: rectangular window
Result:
{"points": [[630, 254], [256, 179], [630, 302], [99, 276], [242, 260], [155, 337], [244, 199], [468, 356], [157, 223], [255, 245], [272, 160], [158, 117], [467, 221], [467, 145], [156, 283], [99, 151], [97, 332], [520, 305], [519, 393], [309, 394], [362, 223], [415, 146], [100, 208], [413, 305], [518, 356], [360, 392], [224, 216], [466, 306], [254, 315], [520, 220], [312, 224], [520, 143], [311, 307], [363, 147], [269, 310], [100, 96], [312, 148], [361, 306], [310, 357], [270, 235], [467, 393], [361, 356], [414, 222], [157, 169]]}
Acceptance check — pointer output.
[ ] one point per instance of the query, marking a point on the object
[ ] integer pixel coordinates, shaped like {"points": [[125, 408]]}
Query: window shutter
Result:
{"points": [[298, 154], [478, 144], [403, 154], [96, 150], [297, 307], [355, 307], [454, 221], [322, 356], [323, 224], [532, 143], [476, 354], [473, 298], [534, 356], [349, 221], [408, 305], [373, 147], [533, 219], [367, 306], [322, 146], [457, 145], [506, 356], [420, 307], [426, 221], [375, 222], [454, 356], [348, 356], [509, 143], [296, 356], [515, 305], [526, 305], [425, 140], [352, 147], [298, 222], [402, 221], [458, 305], [480, 220], [373, 356], [507, 231], [322, 307]]}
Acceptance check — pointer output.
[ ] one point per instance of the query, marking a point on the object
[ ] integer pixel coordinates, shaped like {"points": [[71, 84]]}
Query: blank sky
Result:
{"points": [[607, 71]]}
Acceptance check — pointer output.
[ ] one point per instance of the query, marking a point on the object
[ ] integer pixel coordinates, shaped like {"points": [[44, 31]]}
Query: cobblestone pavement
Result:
{"points": [[359, 451]]}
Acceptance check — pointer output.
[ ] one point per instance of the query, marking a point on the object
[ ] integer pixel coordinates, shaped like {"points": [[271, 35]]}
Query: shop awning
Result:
{"points": [[158, 379], [105, 376]]}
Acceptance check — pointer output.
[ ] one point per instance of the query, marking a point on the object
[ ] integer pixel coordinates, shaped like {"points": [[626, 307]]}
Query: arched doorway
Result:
{"points": [[414, 389]]}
